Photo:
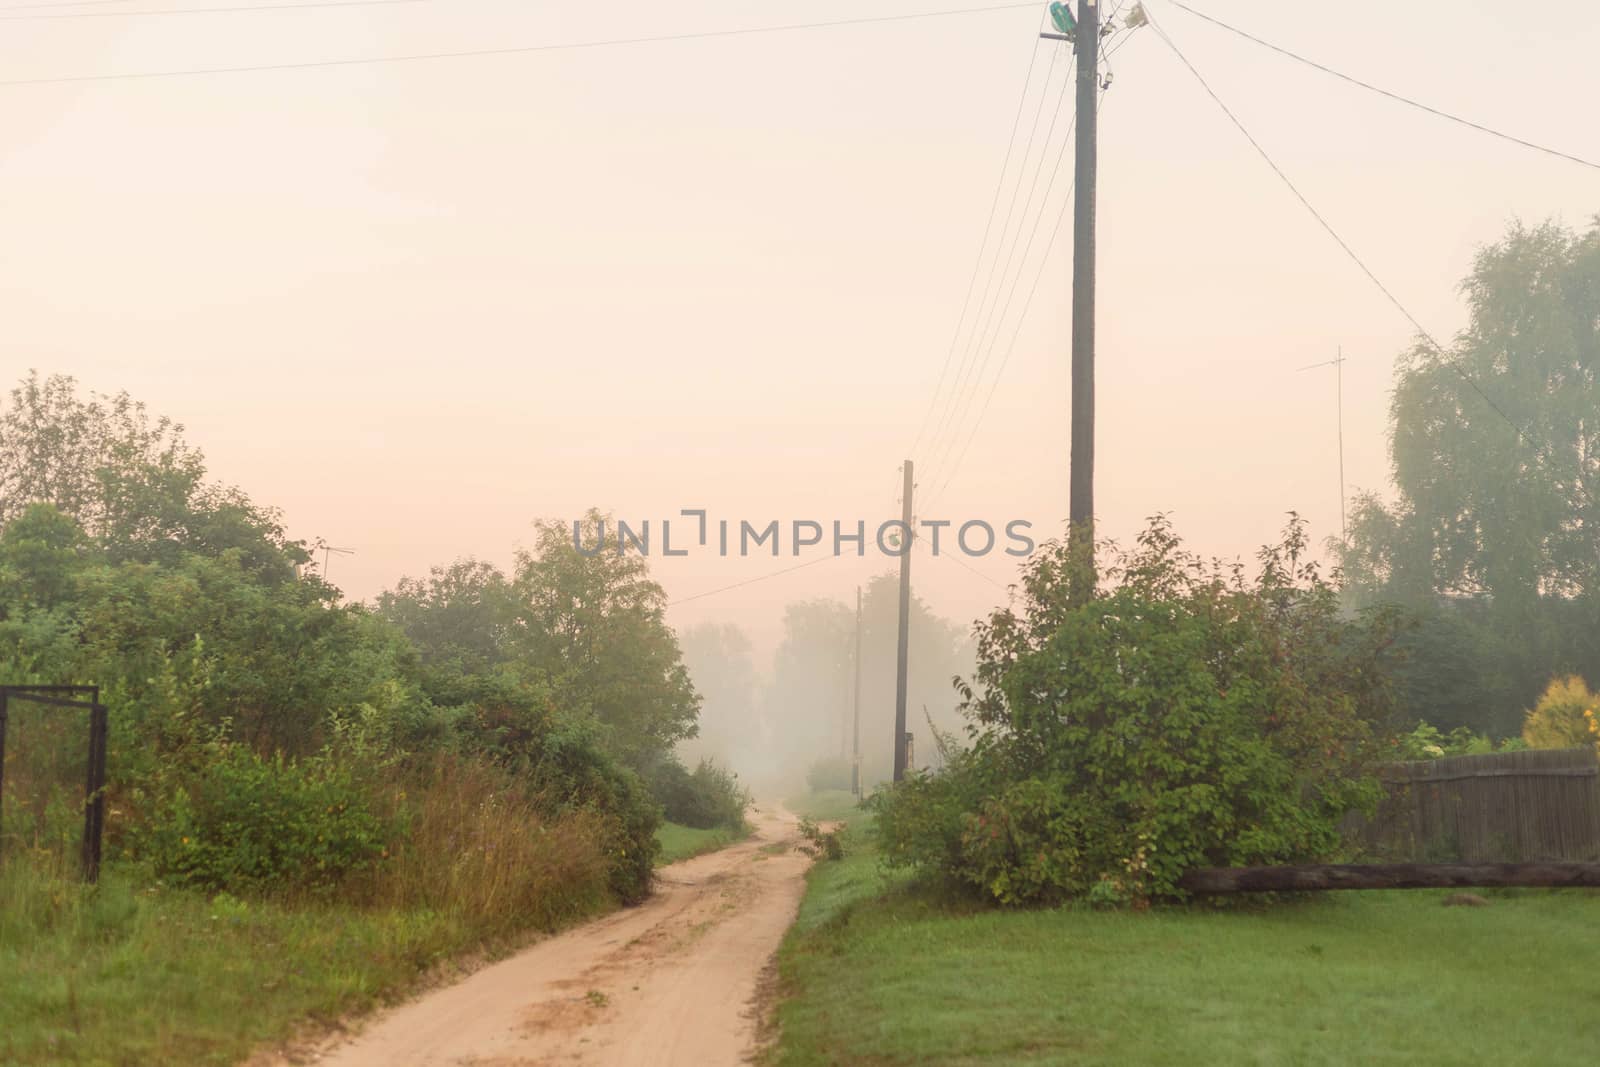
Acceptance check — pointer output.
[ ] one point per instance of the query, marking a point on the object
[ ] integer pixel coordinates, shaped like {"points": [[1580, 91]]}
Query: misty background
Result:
{"points": [[417, 305]]}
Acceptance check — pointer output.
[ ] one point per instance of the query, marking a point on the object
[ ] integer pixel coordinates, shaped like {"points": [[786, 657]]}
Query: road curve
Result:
{"points": [[671, 983]]}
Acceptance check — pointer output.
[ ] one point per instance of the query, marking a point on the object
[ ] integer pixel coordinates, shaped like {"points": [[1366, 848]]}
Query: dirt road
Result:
{"points": [[671, 982]]}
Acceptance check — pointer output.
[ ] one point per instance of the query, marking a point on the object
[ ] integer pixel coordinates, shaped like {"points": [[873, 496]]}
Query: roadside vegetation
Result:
{"points": [[310, 803], [881, 969], [678, 842], [1157, 712]]}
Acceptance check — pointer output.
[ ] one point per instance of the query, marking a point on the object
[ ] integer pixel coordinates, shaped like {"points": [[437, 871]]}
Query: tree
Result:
{"points": [[1180, 717], [129, 480], [1495, 450], [595, 626]]}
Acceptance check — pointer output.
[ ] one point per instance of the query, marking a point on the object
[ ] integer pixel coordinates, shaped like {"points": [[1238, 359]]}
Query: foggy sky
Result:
{"points": [[417, 305]]}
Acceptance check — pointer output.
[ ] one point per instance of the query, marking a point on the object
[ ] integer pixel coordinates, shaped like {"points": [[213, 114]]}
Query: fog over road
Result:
{"points": [[671, 982]]}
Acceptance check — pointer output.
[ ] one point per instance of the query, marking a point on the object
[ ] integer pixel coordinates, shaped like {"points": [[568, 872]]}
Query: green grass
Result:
{"points": [[877, 972], [685, 842], [831, 805], [117, 974]]}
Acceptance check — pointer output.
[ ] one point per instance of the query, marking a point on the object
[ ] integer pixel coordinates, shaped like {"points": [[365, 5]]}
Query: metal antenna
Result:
{"points": [[1338, 364]]}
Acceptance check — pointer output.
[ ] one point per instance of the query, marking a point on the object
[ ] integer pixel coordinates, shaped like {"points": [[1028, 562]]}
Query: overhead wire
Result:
{"points": [[956, 401], [964, 565], [49, 16], [1022, 317], [475, 53], [980, 363], [1390, 94], [753, 581], [1522, 433], [953, 399], [988, 228]]}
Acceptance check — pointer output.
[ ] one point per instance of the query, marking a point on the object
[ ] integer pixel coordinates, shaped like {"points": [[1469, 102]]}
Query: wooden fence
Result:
{"points": [[1509, 807]]}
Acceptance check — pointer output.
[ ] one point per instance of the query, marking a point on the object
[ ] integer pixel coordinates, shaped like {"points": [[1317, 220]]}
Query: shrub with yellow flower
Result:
{"points": [[1567, 716]]}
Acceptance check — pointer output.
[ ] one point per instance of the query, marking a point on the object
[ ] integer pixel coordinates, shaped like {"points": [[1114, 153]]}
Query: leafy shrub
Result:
{"points": [[468, 838], [571, 773], [820, 843], [829, 773], [1427, 742], [244, 822], [706, 798], [1567, 716], [1178, 717]]}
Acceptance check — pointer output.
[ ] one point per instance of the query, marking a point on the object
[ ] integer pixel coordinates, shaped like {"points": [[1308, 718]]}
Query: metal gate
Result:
{"points": [[94, 800]]}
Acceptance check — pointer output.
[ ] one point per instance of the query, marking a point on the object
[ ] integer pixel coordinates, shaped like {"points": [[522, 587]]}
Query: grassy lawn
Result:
{"points": [[685, 842], [118, 975], [832, 805], [876, 973]]}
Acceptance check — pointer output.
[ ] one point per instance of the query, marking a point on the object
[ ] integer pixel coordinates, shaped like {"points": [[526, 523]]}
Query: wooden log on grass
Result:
{"points": [[1325, 876]]}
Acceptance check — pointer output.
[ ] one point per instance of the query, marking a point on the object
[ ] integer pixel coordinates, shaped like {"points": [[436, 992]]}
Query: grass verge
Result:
{"points": [[122, 975], [830, 805], [878, 972], [685, 842]]}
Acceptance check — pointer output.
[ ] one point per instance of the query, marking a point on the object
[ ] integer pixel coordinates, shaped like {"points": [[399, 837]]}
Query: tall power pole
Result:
{"points": [[903, 650], [855, 746], [1081, 507]]}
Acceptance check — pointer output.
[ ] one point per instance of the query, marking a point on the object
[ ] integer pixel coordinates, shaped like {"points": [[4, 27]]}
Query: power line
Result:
{"points": [[514, 50], [1326, 225], [1381, 91], [999, 323], [198, 10], [70, 3], [753, 581], [1022, 317], [954, 402], [1005, 360], [988, 227], [981, 363], [964, 564]]}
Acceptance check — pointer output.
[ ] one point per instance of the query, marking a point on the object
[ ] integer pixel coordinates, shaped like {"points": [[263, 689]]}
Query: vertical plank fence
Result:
{"points": [[1507, 807]]}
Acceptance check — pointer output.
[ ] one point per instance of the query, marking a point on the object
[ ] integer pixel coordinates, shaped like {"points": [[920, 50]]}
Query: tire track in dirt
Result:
{"points": [[672, 982]]}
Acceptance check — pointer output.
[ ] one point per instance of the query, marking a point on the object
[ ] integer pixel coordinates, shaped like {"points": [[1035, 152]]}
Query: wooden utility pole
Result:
{"points": [[855, 746], [1081, 507], [903, 650]]}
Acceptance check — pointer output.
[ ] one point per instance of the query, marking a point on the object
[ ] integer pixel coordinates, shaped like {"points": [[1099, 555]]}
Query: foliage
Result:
{"points": [[233, 667], [678, 843], [707, 797], [1566, 716], [820, 843], [1495, 451], [1426, 742], [241, 821], [470, 838], [829, 772], [594, 626], [1180, 717]]}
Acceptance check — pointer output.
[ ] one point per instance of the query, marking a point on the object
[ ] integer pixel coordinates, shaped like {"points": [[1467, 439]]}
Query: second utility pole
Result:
{"points": [[905, 628], [1081, 506], [855, 746]]}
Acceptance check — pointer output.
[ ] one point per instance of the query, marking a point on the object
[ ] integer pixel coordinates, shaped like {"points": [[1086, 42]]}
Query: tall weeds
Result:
{"points": [[469, 839]]}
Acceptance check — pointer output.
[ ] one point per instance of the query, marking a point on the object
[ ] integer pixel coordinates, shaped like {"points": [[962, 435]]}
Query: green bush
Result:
{"points": [[1179, 717], [569, 770], [706, 798], [243, 822]]}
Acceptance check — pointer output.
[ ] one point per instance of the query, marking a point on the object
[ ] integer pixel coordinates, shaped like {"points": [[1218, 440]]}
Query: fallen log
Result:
{"points": [[1325, 876]]}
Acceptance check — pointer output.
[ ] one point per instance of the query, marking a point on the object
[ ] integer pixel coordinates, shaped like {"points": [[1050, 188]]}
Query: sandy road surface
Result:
{"points": [[670, 982]]}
